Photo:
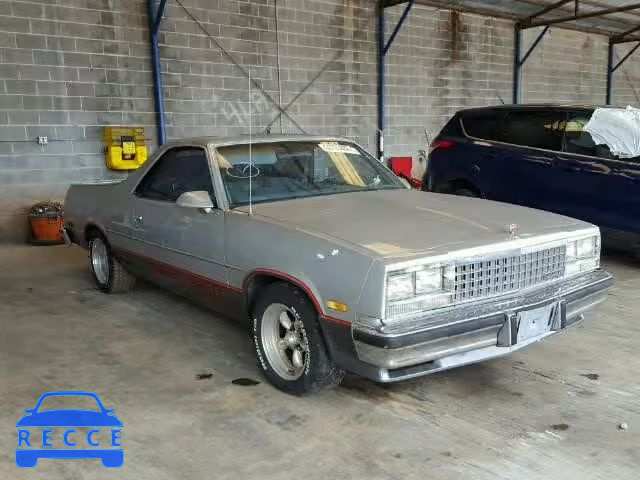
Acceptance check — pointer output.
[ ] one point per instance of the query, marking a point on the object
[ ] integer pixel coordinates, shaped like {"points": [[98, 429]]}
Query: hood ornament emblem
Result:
{"points": [[514, 230]]}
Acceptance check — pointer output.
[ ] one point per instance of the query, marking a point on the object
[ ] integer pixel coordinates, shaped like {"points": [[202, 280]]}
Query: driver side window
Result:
{"points": [[179, 170]]}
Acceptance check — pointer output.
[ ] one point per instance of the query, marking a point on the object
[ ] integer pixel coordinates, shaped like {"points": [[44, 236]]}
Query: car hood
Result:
{"points": [[391, 223], [69, 418]]}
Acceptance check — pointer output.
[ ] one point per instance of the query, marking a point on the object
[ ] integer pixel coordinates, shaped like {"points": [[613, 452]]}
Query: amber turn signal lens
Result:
{"points": [[339, 306]]}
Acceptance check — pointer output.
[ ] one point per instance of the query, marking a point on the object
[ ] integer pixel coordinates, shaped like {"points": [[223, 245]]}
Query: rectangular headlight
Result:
{"points": [[429, 280], [583, 255], [584, 248], [400, 285], [414, 282]]}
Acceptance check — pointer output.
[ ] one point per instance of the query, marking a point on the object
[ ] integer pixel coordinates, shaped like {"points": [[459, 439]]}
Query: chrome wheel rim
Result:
{"points": [[284, 341], [100, 260]]}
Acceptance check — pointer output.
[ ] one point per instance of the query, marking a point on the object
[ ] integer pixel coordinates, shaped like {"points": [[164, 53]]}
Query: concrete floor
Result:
{"points": [[551, 411]]}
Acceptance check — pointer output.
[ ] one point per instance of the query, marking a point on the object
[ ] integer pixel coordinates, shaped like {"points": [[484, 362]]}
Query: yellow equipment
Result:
{"points": [[126, 149]]}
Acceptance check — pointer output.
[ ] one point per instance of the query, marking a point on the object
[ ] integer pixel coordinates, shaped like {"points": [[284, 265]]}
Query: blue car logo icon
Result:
{"points": [[102, 419]]}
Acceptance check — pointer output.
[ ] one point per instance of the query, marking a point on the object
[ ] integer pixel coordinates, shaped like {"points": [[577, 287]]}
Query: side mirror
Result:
{"points": [[197, 199], [28, 410]]}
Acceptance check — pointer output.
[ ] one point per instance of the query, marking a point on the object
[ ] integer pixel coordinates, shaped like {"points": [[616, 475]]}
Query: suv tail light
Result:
{"points": [[436, 144]]}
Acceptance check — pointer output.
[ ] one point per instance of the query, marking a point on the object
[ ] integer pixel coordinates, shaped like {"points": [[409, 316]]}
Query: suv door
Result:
{"points": [[600, 187], [181, 248], [530, 142]]}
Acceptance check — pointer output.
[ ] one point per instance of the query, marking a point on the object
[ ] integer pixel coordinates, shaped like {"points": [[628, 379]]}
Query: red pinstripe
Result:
{"points": [[253, 273]]}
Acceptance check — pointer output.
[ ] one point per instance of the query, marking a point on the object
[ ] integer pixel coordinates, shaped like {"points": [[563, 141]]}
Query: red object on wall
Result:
{"points": [[401, 166]]}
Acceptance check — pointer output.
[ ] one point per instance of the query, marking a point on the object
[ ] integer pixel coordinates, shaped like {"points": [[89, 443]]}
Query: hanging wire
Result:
{"points": [[275, 15], [240, 66]]}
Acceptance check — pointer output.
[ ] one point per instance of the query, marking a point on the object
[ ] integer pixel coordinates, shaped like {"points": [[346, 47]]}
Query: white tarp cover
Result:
{"points": [[618, 129]]}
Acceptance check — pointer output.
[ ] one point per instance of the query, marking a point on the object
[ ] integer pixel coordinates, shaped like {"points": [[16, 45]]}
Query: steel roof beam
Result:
{"points": [[582, 16], [489, 12], [632, 39], [547, 9], [620, 37], [391, 3]]}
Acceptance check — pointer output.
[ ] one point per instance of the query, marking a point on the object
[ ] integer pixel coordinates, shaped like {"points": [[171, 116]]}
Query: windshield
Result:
{"points": [[285, 170]]}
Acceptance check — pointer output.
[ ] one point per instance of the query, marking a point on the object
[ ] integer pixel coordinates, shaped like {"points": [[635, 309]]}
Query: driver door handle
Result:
{"points": [[136, 220]]}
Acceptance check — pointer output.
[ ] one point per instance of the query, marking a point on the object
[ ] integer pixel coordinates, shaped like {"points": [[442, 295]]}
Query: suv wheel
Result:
{"points": [[288, 341], [108, 273]]}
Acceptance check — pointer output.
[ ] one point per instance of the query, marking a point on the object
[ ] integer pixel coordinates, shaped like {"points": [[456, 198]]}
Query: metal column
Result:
{"points": [[381, 85], [609, 73], [155, 18], [517, 64], [383, 48]]}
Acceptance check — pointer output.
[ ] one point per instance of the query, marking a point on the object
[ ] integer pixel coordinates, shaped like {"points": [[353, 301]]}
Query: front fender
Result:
{"points": [[325, 268]]}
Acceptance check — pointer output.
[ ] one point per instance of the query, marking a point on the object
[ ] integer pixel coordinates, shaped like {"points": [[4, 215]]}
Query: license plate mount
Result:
{"points": [[536, 321]]}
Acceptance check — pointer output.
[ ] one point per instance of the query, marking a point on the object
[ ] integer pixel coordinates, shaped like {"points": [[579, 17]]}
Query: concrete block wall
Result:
{"points": [[68, 67], [626, 79], [441, 62], [325, 49], [566, 67]]}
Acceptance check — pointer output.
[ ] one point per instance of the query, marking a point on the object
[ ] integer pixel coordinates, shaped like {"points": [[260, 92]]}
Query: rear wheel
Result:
{"points": [[109, 274], [288, 341]]}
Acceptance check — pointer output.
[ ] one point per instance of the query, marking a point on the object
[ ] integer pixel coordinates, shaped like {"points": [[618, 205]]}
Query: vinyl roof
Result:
{"points": [[611, 24]]}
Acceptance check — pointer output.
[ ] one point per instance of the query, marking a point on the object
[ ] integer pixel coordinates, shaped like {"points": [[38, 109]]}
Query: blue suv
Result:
{"points": [[538, 156]]}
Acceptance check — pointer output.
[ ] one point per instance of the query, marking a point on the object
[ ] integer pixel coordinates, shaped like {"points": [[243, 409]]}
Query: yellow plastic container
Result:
{"points": [[126, 149]]}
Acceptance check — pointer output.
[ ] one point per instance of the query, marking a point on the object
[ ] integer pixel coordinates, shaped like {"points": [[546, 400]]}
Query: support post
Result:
{"points": [[155, 19], [381, 85], [517, 64], [609, 73]]}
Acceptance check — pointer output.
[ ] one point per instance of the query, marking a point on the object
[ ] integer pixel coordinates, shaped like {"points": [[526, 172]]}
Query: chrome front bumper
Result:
{"points": [[471, 333]]}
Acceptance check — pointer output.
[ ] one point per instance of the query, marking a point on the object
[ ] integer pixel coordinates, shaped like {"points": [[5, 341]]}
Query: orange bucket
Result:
{"points": [[46, 229], [46, 220]]}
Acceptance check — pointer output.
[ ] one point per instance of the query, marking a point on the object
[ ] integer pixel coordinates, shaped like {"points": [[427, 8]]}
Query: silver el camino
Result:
{"points": [[335, 263]]}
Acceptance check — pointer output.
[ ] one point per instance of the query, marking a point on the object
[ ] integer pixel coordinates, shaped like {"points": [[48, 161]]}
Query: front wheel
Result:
{"points": [[109, 274], [288, 341]]}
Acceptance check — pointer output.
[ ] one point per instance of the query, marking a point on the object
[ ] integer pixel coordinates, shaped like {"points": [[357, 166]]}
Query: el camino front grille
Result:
{"points": [[495, 276]]}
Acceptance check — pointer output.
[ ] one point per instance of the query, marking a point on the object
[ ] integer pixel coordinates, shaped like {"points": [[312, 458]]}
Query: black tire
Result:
{"points": [[118, 280], [466, 192], [319, 371]]}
